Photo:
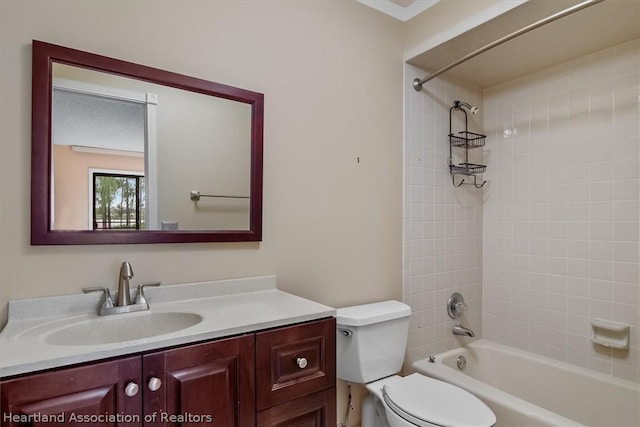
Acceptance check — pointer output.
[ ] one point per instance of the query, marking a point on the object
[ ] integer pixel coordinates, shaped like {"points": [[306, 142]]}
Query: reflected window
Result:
{"points": [[118, 201]]}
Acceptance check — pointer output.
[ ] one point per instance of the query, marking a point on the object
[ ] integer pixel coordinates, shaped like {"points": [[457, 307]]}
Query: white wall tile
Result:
{"points": [[444, 244], [553, 240], [561, 216]]}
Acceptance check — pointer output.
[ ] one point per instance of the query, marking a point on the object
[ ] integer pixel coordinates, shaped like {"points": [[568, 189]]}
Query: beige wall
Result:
{"points": [[204, 144], [72, 183], [331, 74]]}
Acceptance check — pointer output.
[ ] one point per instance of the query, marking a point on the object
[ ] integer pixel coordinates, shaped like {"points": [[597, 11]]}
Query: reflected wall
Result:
{"points": [[201, 143]]}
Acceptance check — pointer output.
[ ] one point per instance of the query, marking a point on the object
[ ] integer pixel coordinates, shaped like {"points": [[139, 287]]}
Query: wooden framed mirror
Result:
{"points": [[124, 153]]}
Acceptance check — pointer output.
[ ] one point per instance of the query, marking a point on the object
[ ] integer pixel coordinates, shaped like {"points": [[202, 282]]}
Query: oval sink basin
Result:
{"points": [[120, 328]]}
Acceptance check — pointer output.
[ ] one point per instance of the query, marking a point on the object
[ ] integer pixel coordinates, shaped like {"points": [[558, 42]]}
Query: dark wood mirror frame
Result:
{"points": [[44, 55]]}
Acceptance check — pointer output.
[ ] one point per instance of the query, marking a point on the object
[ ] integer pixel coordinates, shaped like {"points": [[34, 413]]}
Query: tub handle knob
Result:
{"points": [[456, 305]]}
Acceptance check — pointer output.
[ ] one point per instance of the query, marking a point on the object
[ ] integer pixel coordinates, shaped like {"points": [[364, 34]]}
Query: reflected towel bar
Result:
{"points": [[195, 196]]}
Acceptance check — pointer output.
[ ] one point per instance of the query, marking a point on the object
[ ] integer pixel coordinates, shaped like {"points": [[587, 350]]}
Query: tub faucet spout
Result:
{"points": [[458, 329]]}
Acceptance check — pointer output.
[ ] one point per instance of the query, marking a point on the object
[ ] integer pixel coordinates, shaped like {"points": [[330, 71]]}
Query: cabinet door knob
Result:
{"points": [[301, 362], [131, 389], [154, 384]]}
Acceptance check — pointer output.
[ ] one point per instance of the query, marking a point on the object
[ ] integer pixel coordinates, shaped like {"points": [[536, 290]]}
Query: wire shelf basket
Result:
{"points": [[467, 139], [467, 169]]}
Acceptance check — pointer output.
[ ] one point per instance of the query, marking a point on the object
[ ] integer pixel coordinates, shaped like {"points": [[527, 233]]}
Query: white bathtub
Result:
{"points": [[526, 390]]}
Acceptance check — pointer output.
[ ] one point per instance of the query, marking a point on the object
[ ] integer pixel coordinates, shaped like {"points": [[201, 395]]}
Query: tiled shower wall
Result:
{"points": [[442, 224], [561, 215]]}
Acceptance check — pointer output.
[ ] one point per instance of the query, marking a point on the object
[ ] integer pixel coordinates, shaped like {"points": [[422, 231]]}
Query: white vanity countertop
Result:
{"points": [[227, 307]]}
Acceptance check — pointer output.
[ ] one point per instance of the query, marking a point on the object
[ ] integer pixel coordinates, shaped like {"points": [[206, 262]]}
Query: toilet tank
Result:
{"points": [[371, 340]]}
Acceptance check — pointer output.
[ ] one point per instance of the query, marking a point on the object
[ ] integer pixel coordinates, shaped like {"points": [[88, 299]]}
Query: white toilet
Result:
{"points": [[371, 342]]}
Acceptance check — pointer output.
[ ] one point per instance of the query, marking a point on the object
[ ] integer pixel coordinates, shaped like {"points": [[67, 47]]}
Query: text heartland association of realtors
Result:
{"points": [[118, 417]]}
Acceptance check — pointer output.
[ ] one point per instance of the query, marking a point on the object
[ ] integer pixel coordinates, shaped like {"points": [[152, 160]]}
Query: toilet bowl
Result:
{"points": [[371, 343], [417, 400]]}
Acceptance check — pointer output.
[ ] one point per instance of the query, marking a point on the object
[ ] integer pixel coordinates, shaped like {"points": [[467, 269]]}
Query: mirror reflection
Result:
{"points": [[128, 155], [125, 153]]}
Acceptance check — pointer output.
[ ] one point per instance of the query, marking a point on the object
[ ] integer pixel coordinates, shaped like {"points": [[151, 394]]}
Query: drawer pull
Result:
{"points": [[154, 384], [131, 389], [301, 362]]}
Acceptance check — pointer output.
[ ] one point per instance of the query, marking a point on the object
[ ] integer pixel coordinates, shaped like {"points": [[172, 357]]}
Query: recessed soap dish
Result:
{"points": [[610, 334]]}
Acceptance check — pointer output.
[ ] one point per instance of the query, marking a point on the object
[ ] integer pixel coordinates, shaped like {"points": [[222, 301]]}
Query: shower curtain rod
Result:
{"points": [[417, 83]]}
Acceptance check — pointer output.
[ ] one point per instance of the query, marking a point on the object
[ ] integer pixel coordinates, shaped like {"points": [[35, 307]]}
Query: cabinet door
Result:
{"points": [[295, 361], [315, 410], [85, 395], [210, 383]]}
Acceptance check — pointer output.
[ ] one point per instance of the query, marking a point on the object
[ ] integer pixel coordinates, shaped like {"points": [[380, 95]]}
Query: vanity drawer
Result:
{"points": [[295, 361], [315, 410]]}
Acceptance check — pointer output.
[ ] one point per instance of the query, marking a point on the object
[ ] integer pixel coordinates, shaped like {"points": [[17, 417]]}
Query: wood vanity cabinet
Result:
{"points": [[71, 396], [204, 384], [234, 382], [211, 383], [296, 375]]}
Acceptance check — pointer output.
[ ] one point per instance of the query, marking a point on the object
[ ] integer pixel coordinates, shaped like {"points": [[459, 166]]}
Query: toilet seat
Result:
{"points": [[428, 402]]}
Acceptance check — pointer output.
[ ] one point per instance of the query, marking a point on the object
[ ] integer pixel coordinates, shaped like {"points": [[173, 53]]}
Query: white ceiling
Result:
{"points": [[596, 28], [88, 120], [400, 9]]}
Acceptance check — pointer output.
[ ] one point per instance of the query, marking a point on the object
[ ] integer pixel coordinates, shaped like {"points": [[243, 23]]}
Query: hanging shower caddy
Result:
{"points": [[466, 140]]}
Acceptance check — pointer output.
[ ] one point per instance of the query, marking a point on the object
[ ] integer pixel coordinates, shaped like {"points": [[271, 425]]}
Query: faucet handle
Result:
{"points": [[460, 307], [108, 302], [456, 305], [140, 299]]}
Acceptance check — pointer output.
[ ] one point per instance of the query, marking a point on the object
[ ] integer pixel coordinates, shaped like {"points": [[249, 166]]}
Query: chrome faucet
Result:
{"points": [[123, 302], [455, 307], [458, 329], [124, 294]]}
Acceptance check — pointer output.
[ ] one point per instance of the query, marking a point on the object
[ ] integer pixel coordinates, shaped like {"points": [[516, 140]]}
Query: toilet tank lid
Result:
{"points": [[366, 314]]}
